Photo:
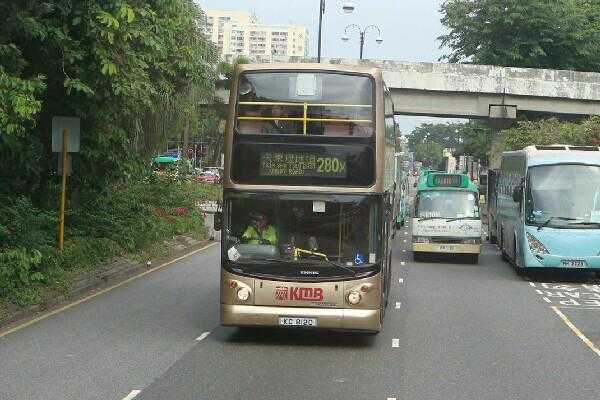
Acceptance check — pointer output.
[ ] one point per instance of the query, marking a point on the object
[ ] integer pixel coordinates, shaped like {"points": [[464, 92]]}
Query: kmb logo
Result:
{"points": [[298, 293]]}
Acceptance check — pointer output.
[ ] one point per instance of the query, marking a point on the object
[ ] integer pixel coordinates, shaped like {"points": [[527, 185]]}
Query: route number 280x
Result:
{"points": [[330, 164]]}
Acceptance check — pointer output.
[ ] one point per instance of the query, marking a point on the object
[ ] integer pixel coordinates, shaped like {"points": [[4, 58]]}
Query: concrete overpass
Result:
{"points": [[481, 91]]}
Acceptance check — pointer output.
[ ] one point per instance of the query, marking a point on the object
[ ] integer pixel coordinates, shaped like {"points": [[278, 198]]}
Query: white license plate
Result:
{"points": [[297, 321], [574, 263], [445, 247]]}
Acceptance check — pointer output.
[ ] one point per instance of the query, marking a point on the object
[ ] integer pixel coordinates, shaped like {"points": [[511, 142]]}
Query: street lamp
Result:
{"points": [[362, 32], [348, 8]]}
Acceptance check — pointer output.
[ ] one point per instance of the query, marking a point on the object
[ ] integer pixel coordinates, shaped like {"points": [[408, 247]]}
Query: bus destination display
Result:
{"points": [[447, 180], [281, 164]]}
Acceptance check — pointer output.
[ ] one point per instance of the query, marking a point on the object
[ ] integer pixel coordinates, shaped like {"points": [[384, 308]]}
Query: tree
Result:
{"points": [[470, 138], [558, 34], [116, 64], [553, 131]]}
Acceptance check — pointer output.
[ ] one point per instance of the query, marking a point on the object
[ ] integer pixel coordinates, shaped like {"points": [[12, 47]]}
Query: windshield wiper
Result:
{"points": [[429, 218], [545, 223], [586, 223], [300, 261], [460, 219]]}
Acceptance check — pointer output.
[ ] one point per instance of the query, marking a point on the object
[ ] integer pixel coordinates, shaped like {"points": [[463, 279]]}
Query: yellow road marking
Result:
{"points": [[98, 293], [576, 331]]}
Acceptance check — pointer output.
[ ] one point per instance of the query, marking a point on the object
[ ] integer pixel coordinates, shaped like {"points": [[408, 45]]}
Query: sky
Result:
{"points": [[409, 28]]}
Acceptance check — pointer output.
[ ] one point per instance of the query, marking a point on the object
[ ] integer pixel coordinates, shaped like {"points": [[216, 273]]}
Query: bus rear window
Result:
{"points": [[305, 103]]}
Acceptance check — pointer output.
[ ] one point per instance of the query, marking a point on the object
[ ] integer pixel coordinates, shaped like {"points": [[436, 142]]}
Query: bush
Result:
{"points": [[126, 218], [553, 131]]}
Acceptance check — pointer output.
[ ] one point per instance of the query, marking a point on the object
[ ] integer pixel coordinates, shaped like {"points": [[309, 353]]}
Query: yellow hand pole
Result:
{"points": [[63, 193]]}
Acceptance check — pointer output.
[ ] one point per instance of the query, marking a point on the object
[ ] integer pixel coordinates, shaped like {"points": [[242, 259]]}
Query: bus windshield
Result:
{"points": [[305, 103], [564, 195], [446, 204], [315, 230]]}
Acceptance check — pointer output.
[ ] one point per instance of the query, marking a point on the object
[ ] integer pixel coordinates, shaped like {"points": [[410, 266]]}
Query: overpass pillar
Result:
{"points": [[500, 117]]}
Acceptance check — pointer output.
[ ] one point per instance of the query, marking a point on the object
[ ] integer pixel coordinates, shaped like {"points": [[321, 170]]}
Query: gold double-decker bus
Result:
{"points": [[308, 194]]}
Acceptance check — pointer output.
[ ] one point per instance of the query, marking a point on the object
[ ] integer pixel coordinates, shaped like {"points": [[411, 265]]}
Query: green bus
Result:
{"points": [[446, 217]]}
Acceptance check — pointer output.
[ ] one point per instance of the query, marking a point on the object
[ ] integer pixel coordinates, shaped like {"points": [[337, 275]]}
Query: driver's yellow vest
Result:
{"points": [[252, 235]]}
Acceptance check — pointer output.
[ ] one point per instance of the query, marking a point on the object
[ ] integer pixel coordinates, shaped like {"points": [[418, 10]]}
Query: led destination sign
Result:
{"points": [[297, 164]]}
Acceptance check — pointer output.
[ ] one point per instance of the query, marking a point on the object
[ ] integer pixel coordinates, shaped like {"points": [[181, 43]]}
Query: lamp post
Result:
{"points": [[348, 8], [362, 32]]}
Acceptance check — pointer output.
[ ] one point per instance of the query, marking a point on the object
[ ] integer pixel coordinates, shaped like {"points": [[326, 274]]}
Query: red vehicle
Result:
{"points": [[209, 177]]}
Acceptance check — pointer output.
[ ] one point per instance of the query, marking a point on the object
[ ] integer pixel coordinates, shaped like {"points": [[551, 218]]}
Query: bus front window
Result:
{"points": [[446, 204], [566, 195], [336, 229], [305, 103]]}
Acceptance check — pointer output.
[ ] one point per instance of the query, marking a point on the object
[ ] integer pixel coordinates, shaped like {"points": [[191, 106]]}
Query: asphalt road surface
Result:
{"points": [[452, 331]]}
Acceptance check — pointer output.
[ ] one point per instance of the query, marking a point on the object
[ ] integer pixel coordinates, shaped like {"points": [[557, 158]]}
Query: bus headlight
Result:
{"points": [[535, 245], [354, 297], [420, 239], [243, 293]]}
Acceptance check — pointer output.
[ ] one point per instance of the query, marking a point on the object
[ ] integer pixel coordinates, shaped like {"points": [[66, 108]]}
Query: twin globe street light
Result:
{"points": [[362, 32], [348, 8]]}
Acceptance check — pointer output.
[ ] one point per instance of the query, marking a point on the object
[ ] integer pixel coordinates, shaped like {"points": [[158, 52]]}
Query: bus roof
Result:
{"points": [[309, 66], [559, 154], [433, 181]]}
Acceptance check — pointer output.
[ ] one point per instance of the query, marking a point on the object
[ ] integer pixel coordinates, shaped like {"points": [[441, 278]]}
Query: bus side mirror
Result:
{"points": [[482, 199], [218, 221], [517, 194]]}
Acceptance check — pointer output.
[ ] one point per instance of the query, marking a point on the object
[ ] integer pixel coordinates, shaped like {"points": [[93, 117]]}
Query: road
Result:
{"points": [[452, 331]]}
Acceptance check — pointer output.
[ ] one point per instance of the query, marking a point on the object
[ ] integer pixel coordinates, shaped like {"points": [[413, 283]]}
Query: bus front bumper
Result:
{"points": [[447, 248], [326, 318]]}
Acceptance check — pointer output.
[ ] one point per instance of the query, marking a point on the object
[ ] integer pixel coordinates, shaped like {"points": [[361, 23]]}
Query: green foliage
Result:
{"points": [[19, 268], [553, 131], [558, 34], [125, 218], [427, 141], [113, 63]]}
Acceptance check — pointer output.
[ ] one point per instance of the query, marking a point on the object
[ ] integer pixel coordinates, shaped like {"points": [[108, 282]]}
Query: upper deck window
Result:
{"points": [[305, 103]]}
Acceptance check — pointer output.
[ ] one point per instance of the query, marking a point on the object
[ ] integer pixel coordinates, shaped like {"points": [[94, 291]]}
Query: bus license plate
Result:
{"points": [[574, 263], [297, 321], [445, 247]]}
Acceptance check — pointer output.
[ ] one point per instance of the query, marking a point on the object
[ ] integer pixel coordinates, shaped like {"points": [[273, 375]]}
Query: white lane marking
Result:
{"points": [[538, 291], [398, 305], [405, 240], [404, 250], [406, 233], [391, 398], [132, 394], [395, 342], [547, 300], [401, 280], [532, 284], [402, 263], [203, 336], [576, 331], [100, 292]]}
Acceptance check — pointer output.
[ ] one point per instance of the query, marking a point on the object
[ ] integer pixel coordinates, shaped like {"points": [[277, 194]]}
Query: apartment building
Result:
{"points": [[238, 33]]}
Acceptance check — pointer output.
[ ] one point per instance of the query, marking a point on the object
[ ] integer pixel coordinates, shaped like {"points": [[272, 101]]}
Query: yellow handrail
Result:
{"points": [[298, 251], [365, 121], [271, 103]]}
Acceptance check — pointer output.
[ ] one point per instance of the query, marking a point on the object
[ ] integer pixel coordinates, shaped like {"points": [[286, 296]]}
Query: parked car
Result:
{"points": [[209, 176], [170, 157]]}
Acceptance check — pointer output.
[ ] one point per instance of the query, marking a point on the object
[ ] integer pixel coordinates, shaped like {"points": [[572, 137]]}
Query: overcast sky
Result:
{"points": [[409, 28]]}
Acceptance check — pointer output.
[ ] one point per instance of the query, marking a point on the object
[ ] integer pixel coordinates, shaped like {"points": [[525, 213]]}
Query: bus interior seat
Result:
{"points": [[251, 126], [337, 129]]}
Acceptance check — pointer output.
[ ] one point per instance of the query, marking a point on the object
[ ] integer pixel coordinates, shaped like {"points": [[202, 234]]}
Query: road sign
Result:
{"points": [[72, 125]]}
